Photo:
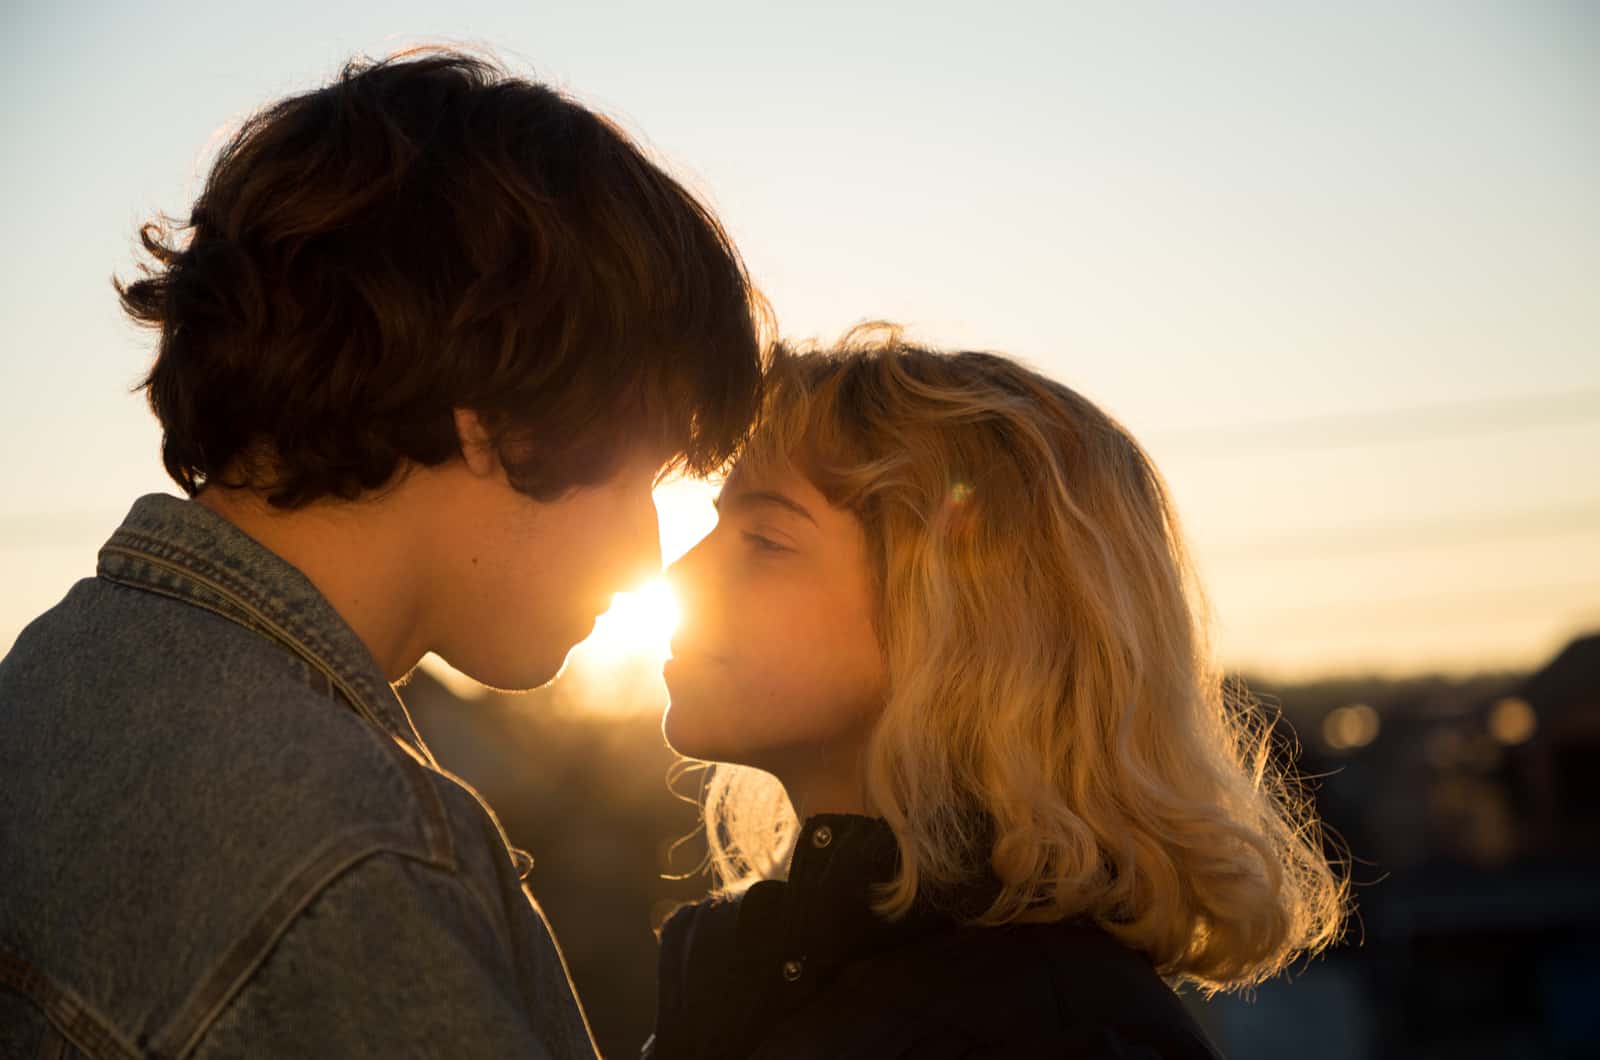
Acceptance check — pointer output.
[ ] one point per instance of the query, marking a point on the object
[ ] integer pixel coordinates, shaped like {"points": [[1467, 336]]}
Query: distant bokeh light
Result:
{"points": [[1348, 728], [1512, 721]]}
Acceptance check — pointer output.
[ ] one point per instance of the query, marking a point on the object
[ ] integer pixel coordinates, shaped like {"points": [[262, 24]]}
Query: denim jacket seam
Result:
{"points": [[146, 546], [85, 1026], [236, 967], [435, 822], [410, 758], [495, 839], [185, 564], [258, 620], [263, 625], [496, 921], [436, 830]]}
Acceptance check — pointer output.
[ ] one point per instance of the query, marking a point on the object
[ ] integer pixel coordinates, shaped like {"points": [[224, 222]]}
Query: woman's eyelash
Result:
{"points": [[763, 544]]}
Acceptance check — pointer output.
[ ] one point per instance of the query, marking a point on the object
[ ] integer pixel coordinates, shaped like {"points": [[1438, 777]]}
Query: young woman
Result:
{"points": [[978, 790]]}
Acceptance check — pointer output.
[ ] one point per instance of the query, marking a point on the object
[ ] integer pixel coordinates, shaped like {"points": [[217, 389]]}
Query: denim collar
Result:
{"points": [[183, 550]]}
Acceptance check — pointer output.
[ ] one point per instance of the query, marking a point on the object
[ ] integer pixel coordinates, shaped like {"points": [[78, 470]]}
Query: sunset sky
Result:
{"points": [[1336, 265]]}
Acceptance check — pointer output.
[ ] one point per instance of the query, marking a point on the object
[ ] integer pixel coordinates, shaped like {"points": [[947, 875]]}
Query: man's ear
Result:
{"points": [[477, 448]]}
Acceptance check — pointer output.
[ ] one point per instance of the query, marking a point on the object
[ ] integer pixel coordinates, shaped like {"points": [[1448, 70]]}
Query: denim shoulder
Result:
{"points": [[167, 774]]}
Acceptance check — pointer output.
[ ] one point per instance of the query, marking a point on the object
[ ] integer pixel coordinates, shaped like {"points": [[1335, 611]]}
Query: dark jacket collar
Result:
{"points": [[822, 915], [183, 550], [732, 968]]}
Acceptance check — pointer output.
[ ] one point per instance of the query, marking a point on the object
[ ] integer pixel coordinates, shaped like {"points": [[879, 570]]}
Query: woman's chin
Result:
{"points": [[698, 734], [690, 724], [683, 735]]}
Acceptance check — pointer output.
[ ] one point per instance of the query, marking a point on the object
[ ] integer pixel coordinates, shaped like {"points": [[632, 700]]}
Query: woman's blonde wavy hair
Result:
{"points": [[1053, 710]]}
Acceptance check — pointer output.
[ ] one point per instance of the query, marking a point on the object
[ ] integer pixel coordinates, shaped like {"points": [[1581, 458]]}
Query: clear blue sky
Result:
{"points": [[1207, 217]]}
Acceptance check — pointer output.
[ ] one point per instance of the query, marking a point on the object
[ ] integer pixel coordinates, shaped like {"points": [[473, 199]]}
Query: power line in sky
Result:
{"points": [[1531, 524], [1419, 423], [1576, 600]]}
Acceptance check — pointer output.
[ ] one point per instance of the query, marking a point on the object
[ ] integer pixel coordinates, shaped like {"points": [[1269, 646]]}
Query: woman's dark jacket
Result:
{"points": [[803, 968]]}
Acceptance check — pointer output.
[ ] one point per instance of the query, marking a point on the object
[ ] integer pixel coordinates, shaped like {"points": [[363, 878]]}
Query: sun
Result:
{"points": [[638, 624]]}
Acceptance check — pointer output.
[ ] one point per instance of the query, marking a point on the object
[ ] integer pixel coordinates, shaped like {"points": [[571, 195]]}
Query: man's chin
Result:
{"points": [[524, 676]]}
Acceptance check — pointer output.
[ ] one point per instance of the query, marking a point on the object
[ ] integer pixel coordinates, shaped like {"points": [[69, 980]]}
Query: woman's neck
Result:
{"points": [[834, 784]]}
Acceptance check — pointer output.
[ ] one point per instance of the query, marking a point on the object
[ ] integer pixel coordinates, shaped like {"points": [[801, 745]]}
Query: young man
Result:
{"points": [[430, 335]]}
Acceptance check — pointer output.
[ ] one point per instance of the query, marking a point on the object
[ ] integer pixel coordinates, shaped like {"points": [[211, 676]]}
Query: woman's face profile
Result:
{"points": [[776, 663]]}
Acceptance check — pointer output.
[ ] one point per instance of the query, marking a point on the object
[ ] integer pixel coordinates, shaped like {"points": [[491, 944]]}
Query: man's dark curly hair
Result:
{"points": [[428, 233]]}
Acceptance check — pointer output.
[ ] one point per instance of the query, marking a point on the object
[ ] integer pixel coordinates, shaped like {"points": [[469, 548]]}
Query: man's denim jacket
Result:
{"points": [[221, 836]]}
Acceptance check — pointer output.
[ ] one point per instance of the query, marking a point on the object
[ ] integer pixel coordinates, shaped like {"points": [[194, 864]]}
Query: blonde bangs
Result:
{"points": [[1054, 716]]}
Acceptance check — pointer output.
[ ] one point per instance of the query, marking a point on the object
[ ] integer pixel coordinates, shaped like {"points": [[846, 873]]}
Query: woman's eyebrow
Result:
{"points": [[752, 498]]}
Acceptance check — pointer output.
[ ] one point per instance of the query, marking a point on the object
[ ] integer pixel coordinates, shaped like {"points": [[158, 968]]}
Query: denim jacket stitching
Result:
{"points": [[186, 562], [239, 963], [242, 591], [78, 1021], [264, 625], [435, 822], [332, 690]]}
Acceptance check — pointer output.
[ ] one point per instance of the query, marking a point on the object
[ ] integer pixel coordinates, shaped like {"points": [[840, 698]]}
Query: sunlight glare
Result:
{"points": [[617, 670], [639, 623], [685, 513]]}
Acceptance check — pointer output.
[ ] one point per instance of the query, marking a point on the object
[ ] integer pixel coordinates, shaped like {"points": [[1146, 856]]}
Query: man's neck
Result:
{"points": [[357, 553]]}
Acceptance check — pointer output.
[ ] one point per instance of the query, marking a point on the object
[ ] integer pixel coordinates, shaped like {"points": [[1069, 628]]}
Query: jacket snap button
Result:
{"points": [[792, 970], [821, 837]]}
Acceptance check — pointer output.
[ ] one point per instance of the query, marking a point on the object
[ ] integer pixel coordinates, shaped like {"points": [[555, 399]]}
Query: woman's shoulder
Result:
{"points": [[709, 924], [1099, 982], [1021, 990], [698, 979]]}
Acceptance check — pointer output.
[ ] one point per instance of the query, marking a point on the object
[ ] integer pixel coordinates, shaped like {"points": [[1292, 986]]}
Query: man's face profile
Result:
{"points": [[519, 581]]}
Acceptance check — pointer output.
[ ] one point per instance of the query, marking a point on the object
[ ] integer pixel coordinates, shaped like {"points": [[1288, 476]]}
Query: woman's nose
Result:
{"points": [[684, 576], [676, 576]]}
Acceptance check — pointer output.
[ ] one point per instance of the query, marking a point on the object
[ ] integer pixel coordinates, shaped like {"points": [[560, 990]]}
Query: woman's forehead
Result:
{"points": [[761, 473]]}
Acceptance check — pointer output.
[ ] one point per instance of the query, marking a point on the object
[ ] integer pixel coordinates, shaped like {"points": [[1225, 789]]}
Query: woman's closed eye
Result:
{"points": [[763, 544]]}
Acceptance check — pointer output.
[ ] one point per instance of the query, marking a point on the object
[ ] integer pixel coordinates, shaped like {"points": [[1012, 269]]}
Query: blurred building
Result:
{"points": [[1467, 809]]}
